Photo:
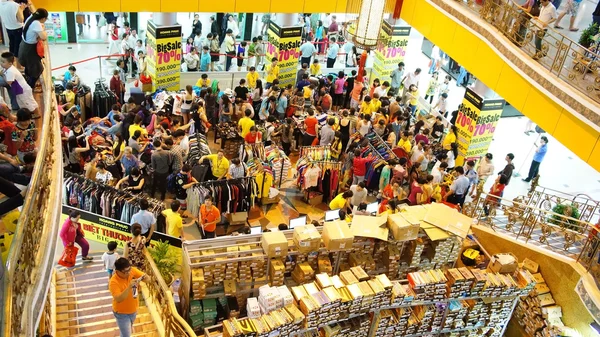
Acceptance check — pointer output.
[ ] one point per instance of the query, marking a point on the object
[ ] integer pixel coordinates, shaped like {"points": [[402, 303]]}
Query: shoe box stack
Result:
{"points": [[445, 251], [303, 273], [428, 285], [457, 313], [391, 259], [198, 284], [277, 272], [460, 282], [538, 313], [430, 317]]}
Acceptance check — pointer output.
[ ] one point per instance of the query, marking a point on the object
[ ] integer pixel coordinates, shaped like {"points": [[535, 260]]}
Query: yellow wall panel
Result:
{"points": [[576, 135], [594, 159], [289, 6], [99, 6], [487, 65], [137, 6], [541, 109], [58, 6], [442, 32], [408, 10], [464, 46], [221, 6], [514, 87], [178, 6], [320, 6], [259, 6], [423, 18], [340, 6]]}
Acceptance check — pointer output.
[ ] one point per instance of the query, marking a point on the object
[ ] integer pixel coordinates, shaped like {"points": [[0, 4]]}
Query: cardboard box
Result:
{"points": [[274, 244], [403, 228], [313, 198], [238, 218], [498, 266], [370, 227], [268, 201], [530, 265], [307, 238], [337, 236]]}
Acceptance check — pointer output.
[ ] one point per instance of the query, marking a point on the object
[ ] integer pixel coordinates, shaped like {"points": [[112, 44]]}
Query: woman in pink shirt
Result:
{"points": [[338, 92], [71, 233]]}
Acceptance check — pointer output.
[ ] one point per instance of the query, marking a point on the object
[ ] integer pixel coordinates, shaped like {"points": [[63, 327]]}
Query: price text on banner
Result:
{"points": [[284, 44], [468, 114]]}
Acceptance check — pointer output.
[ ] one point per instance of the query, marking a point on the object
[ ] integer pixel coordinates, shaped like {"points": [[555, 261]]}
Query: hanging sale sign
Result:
{"points": [[163, 49], [101, 229], [468, 113], [491, 111], [476, 123], [284, 44], [391, 51]]}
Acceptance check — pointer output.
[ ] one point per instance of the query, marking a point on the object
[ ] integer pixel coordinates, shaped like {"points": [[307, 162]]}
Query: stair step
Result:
{"points": [[93, 313], [83, 289], [84, 296], [89, 266], [103, 321], [141, 329], [92, 302]]}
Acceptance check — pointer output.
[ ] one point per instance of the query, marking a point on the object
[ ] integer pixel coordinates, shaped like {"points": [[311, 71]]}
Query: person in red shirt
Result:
{"points": [[310, 128], [114, 40], [497, 190], [116, 85], [325, 101], [253, 136], [359, 167], [209, 217]]}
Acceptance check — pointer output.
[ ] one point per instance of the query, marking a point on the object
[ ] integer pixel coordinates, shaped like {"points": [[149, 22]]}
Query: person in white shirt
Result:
{"points": [[439, 172], [232, 24], [382, 90], [11, 14], [192, 60], [442, 105], [109, 258], [486, 167], [547, 16], [411, 78], [359, 193], [124, 43], [229, 48], [132, 39]]}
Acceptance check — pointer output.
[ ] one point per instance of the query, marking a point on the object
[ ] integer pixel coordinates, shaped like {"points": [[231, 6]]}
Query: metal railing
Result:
{"points": [[31, 256], [566, 234], [563, 58], [173, 323]]}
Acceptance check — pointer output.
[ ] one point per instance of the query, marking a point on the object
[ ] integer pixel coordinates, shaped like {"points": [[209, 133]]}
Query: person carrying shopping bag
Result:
{"points": [[72, 232]]}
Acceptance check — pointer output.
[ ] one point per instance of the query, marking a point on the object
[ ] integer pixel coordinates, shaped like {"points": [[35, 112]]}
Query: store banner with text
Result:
{"points": [[491, 111], [102, 229], [468, 114], [163, 49], [390, 51], [284, 44]]}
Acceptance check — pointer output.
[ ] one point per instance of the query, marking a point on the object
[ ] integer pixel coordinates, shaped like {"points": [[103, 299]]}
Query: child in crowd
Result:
{"points": [[241, 52], [109, 258], [18, 85]]}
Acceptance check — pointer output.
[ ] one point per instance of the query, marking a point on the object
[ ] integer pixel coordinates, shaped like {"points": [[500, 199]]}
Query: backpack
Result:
{"points": [[171, 183]]}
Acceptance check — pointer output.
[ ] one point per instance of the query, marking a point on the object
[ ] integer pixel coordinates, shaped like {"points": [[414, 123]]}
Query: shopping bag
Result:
{"points": [[69, 256]]}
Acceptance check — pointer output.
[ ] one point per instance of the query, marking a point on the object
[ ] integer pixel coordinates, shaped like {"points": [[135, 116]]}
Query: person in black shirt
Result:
{"points": [[196, 25], [437, 131], [349, 87], [241, 91], [509, 168]]}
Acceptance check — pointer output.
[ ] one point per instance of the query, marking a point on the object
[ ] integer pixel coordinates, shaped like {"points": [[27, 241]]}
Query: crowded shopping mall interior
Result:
{"points": [[349, 168]]}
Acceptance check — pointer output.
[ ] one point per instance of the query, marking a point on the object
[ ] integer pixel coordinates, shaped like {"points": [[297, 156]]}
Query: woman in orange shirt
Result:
{"points": [[310, 128]]}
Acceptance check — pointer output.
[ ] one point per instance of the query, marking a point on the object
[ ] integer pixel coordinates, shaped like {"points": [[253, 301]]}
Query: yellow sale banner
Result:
{"points": [[468, 113], [284, 44], [490, 114], [163, 48], [391, 51]]}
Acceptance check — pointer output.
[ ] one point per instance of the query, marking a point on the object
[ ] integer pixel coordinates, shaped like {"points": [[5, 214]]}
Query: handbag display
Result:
{"points": [[69, 256]]}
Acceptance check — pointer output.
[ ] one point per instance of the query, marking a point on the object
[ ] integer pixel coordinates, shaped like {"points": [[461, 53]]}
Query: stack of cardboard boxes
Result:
{"points": [[538, 313], [277, 272], [303, 273], [428, 285]]}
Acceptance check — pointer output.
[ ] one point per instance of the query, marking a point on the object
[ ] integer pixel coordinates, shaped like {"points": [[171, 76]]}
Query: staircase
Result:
{"points": [[84, 304]]}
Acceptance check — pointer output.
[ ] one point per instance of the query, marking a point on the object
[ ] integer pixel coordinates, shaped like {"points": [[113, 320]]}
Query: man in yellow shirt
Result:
{"points": [[366, 107], [252, 77], [125, 290], [173, 219], [203, 81], [245, 123], [405, 142], [272, 72], [375, 103], [219, 164], [315, 68]]}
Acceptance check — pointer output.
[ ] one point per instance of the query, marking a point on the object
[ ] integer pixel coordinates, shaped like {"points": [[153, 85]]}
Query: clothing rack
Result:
{"points": [[154, 203], [224, 181], [378, 137]]}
